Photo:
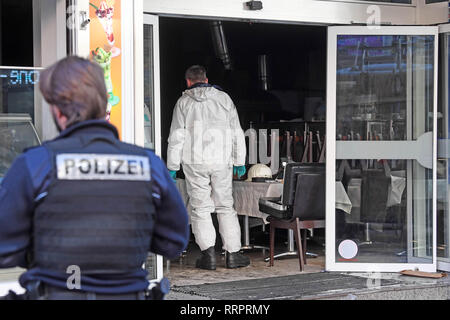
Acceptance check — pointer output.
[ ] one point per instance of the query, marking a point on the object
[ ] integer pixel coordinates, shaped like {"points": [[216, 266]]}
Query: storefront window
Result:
{"points": [[17, 113], [16, 134], [385, 90]]}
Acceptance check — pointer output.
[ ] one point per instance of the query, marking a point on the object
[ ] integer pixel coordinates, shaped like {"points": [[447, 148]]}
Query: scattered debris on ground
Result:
{"points": [[422, 274]]}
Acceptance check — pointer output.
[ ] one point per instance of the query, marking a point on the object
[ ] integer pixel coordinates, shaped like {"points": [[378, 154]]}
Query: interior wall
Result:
{"points": [[296, 63]]}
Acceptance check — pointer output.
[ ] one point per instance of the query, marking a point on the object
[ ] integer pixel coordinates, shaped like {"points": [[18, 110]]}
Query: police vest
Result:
{"points": [[98, 213]]}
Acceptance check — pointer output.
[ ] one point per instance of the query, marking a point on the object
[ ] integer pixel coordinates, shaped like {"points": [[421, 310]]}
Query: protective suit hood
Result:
{"points": [[205, 129], [204, 93], [200, 94]]}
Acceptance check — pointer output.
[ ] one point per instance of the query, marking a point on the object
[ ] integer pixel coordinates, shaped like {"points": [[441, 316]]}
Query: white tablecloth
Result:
{"points": [[245, 194], [342, 200]]}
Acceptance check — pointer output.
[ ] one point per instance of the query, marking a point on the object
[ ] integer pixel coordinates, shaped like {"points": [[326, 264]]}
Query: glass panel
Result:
{"points": [[443, 169], [149, 103], [384, 85], [16, 134], [372, 208], [149, 129], [151, 266], [18, 90], [385, 93], [17, 113]]}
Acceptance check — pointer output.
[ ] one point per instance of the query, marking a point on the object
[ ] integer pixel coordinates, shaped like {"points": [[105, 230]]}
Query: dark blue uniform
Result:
{"points": [[28, 182]]}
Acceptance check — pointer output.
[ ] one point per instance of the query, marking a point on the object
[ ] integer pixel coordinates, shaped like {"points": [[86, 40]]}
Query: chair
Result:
{"points": [[374, 195], [301, 207]]}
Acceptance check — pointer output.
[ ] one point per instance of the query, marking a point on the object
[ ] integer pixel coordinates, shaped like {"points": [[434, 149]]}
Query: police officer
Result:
{"points": [[87, 204]]}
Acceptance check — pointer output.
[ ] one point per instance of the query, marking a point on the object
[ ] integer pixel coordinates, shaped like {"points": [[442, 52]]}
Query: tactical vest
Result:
{"points": [[98, 213]]}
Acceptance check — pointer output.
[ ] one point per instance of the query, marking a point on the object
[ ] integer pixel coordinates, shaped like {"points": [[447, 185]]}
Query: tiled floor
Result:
{"points": [[182, 272]]}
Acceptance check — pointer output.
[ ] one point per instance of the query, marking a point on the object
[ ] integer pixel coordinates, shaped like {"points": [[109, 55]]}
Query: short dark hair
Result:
{"points": [[76, 86], [196, 73]]}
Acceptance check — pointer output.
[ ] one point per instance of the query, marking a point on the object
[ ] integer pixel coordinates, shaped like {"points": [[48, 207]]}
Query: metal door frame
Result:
{"points": [[333, 32], [444, 263], [152, 20]]}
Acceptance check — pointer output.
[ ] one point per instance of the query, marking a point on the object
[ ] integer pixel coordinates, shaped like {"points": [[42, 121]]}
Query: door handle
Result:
{"points": [[420, 150]]}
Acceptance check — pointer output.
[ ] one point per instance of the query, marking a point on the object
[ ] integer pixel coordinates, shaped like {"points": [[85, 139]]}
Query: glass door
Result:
{"points": [[152, 113], [381, 144], [443, 163], [150, 119]]}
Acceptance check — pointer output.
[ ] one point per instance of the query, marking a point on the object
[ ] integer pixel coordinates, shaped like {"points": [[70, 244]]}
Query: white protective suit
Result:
{"points": [[207, 139]]}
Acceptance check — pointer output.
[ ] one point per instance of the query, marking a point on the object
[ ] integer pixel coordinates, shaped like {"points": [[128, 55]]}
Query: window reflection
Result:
{"points": [[385, 91]]}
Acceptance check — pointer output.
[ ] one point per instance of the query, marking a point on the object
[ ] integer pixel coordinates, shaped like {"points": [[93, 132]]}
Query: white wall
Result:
{"points": [[49, 30], [306, 11], [431, 13], [80, 41]]}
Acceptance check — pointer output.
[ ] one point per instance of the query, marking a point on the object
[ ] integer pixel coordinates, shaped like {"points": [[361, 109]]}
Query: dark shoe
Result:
{"points": [[236, 260], [208, 260]]}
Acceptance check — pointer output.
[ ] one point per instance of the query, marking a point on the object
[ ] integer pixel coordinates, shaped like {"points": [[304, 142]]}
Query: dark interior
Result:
{"points": [[296, 67], [16, 33]]}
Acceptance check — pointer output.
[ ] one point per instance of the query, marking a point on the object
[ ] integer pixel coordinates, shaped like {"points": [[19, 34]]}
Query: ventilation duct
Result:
{"points": [[220, 43]]}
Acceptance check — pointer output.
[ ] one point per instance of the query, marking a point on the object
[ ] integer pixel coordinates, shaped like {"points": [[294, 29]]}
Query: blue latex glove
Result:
{"points": [[239, 171], [173, 174]]}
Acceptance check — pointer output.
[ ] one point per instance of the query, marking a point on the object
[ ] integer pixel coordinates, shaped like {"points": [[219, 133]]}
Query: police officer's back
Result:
{"points": [[87, 202]]}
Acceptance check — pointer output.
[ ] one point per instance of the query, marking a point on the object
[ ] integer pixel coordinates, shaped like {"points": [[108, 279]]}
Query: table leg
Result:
{"points": [[291, 249], [247, 245]]}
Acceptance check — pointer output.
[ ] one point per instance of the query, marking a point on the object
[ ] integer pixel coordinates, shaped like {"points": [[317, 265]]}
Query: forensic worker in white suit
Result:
{"points": [[206, 138]]}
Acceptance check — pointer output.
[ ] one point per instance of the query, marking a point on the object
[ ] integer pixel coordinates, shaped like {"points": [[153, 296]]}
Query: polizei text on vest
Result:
{"points": [[102, 167]]}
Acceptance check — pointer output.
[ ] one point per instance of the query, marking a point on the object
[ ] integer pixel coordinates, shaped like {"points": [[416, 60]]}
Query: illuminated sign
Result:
{"points": [[20, 77], [19, 90]]}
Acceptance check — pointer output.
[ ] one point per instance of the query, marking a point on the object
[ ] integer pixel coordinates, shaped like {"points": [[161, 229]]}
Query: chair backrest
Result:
{"points": [[375, 189], [310, 196], [290, 179]]}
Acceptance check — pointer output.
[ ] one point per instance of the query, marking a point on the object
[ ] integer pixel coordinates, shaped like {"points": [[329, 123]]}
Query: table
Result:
{"points": [[245, 194], [246, 197]]}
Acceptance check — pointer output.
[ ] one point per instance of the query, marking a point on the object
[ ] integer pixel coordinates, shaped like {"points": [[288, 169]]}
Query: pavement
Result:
{"points": [[320, 286], [284, 281]]}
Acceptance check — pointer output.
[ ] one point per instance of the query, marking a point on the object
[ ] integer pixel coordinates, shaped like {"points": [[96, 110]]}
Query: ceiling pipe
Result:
{"points": [[263, 73], [220, 43]]}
